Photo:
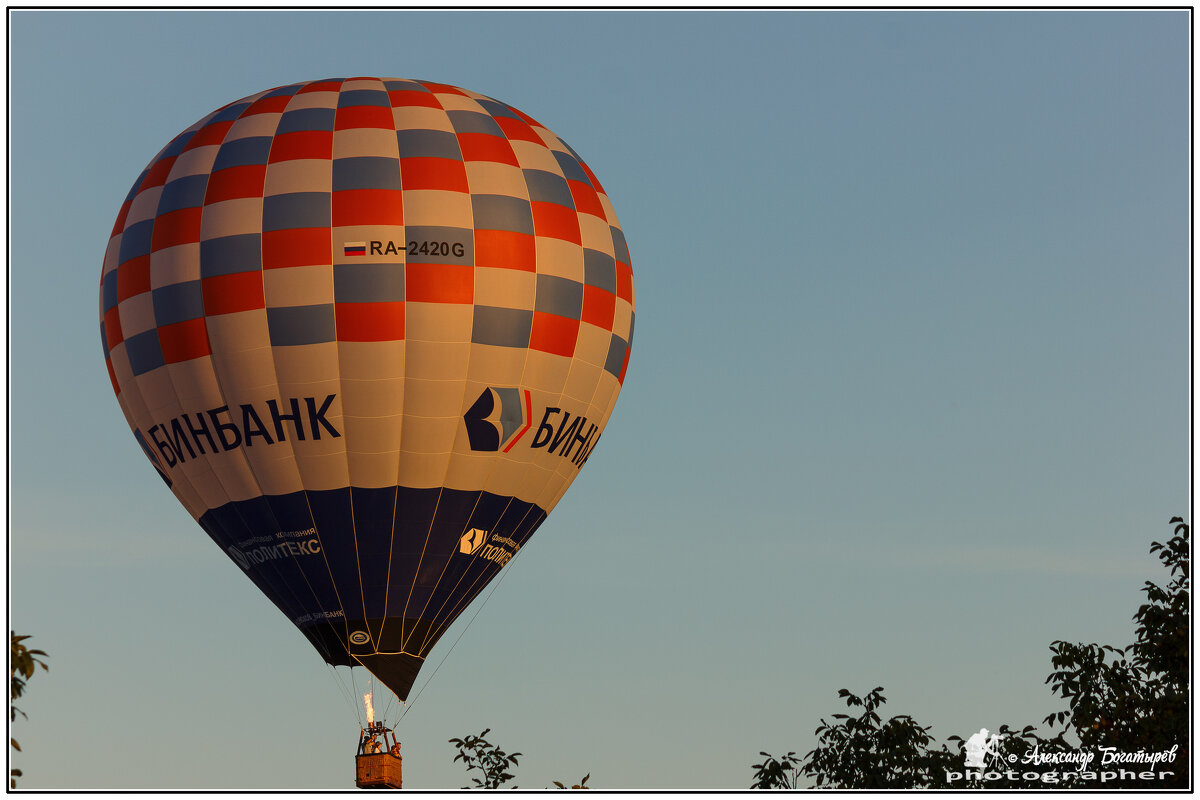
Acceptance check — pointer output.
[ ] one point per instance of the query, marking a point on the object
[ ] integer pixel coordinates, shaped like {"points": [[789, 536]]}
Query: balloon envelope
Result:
{"points": [[368, 331]]}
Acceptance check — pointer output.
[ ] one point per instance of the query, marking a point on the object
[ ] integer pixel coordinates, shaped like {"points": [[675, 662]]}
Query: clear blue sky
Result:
{"points": [[908, 400]]}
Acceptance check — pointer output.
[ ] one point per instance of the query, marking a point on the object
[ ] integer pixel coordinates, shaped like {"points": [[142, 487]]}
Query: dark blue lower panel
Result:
{"points": [[373, 576]]}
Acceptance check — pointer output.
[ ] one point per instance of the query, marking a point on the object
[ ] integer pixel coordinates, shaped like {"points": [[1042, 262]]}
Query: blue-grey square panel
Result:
{"points": [[296, 210], [243, 152], [561, 296], [178, 302], [599, 270], [505, 327], [546, 187], [306, 119], [617, 349], [226, 255], [368, 283], [144, 351], [366, 172], [498, 212], [296, 325], [421, 143]]}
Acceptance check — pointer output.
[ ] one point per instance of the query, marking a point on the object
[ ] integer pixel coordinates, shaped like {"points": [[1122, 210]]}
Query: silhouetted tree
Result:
{"points": [[1129, 700], [23, 662], [490, 761]]}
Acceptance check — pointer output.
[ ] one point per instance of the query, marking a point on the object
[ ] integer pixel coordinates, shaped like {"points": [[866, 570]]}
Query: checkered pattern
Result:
{"points": [[260, 256]]}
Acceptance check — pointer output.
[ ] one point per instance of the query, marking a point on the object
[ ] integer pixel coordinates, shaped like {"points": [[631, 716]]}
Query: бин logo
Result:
{"points": [[498, 419], [472, 540]]}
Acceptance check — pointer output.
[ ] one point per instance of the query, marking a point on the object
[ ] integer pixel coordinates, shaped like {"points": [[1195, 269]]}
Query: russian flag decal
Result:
{"points": [[356, 248]]}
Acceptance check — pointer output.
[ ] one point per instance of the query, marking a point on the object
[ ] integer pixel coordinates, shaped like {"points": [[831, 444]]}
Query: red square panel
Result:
{"points": [[228, 294], [433, 173], [157, 174], [363, 117], [112, 328], [369, 322], [554, 334], [368, 207], [409, 97], [439, 283], [485, 147], [296, 247], [210, 134], [516, 129], [133, 278], [301, 144], [176, 227], [236, 182], [555, 221], [505, 249], [599, 307], [586, 199], [183, 341], [624, 281], [268, 105]]}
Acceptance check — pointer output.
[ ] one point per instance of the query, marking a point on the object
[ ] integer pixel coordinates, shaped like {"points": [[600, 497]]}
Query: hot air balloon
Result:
{"points": [[368, 331]]}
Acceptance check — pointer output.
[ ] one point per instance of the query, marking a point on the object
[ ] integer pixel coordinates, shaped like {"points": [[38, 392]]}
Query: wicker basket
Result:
{"points": [[377, 771]]}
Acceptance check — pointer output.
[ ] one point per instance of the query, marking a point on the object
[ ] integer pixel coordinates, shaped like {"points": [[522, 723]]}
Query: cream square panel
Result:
{"points": [[230, 217], [372, 434], [438, 360], [137, 314], [324, 472], [438, 322], [421, 118], [244, 372], [505, 288], [298, 286], [433, 398], [490, 177], [423, 471], [313, 100], [372, 470], [545, 373], [595, 234], [437, 207], [581, 382], [299, 175], [144, 206], [383, 398], [197, 161], [534, 156], [592, 345], [364, 142], [310, 363], [253, 125], [175, 265], [469, 472], [368, 361], [196, 384], [158, 393], [426, 435], [244, 330], [492, 365], [561, 258]]}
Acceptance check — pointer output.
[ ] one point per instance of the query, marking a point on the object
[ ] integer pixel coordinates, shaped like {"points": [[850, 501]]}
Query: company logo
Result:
{"points": [[481, 544], [238, 556], [471, 541], [498, 419], [359, 637]]}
